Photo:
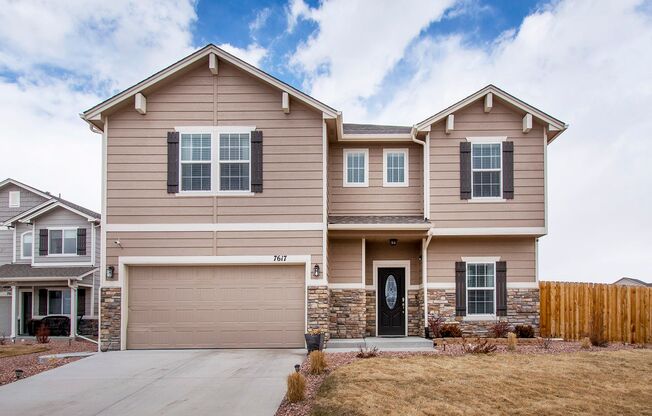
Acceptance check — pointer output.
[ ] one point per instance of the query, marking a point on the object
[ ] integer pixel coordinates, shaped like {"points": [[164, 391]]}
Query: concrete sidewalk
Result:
{"points": [[177, 382]]}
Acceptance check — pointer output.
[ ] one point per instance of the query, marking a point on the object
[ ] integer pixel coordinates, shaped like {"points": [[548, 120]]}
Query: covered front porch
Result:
{"points": [[52, 294], [375, 280]]}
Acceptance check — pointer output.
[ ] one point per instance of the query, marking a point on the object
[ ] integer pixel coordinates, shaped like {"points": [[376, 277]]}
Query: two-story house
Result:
{"points": [[49, 260], [239, 212]]}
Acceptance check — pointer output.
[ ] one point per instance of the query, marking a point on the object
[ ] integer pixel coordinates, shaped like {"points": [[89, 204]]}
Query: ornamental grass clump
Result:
{"points": [[296, 387], [479, 347], [585, 343], [318, 362], [512, 342]]}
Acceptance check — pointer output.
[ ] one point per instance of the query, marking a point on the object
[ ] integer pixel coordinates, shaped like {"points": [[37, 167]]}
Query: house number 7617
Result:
{"points": [[280, 258]]}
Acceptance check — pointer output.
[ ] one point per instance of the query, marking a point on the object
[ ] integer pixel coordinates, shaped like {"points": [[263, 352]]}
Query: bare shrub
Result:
{"points": [[479, 347], [3, 338], [512, 342], [545, 343], [585, 343], [296, 387], [318, 362], [524, 331], [367, 352], [500, 329], [596, 336], [451, 331], [43, 334], [434, 324]]}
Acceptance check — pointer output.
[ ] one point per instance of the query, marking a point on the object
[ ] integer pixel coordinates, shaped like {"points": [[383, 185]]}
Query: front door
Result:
{"points": [[26, 313], [391, 301]]}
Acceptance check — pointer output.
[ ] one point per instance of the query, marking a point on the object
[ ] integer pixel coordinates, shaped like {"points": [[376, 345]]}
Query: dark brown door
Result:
{"points": [[26, 312], [391, 301]]}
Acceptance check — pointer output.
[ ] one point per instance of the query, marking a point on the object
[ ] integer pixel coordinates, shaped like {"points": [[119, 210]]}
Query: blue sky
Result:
{"points": [[586, 62]]}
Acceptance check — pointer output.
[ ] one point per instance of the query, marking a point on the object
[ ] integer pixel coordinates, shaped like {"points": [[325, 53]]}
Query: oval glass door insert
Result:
{"points": [[390, 292]]}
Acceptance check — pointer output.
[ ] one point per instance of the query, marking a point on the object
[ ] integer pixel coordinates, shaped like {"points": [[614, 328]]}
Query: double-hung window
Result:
{"points": [[486, 163], [235, 162], [481, 288], [395, 167], [58, 302], [62, 241], [356, 167], [195, 162], [26, 245]]}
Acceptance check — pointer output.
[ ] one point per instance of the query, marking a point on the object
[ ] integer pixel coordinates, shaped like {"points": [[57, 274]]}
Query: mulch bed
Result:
{"points": [[338, 359], [29, 362]]}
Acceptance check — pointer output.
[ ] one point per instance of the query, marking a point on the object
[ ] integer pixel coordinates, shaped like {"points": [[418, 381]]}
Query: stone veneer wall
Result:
{"points": [[522, 308], [370, 296], [415, 313], [87, 327], [319, 308], [110, 316], [348, 313]]}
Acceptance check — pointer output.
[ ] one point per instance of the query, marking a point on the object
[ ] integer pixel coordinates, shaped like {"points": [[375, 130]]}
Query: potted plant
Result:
{"points": [[314, 339]]}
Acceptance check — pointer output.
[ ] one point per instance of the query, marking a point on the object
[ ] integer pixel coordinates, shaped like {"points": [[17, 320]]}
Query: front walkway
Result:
{"points": [[175, 382]]}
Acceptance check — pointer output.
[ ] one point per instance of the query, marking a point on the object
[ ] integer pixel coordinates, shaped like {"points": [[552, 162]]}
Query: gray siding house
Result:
{"points": [[49, 257]]}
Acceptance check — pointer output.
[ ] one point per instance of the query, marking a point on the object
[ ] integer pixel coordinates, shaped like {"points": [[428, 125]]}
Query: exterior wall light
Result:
{"points": [[315, 271], [109, 272], [393, 242]]}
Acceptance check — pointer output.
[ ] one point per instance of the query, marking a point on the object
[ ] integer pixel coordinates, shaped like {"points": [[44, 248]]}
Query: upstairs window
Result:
{"points": [[195, 162], [26, 245], [395, 169], [62, 242], [480, 286], [14, 199], [356, 167], [487, 170], [235, 162]]}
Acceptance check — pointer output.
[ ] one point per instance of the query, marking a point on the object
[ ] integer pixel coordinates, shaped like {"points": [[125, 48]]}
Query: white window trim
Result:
{"points": [[406, 169], [215, 132], [500, 176], [199, 162], [62, 229], [22, 237], [345, 176], [480, 316], [14, 199]]}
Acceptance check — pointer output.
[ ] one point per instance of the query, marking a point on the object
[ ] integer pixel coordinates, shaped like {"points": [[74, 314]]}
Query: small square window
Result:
{"points": [[14, 199]]}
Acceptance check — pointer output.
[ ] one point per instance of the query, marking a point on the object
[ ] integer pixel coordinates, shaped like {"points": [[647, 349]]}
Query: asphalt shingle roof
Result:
{"points": [[376, 219], [26, 270], [350, 128]]}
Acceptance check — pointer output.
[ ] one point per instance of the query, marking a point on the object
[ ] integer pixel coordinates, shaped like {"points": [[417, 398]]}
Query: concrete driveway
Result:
{"points": [[179, 382]]}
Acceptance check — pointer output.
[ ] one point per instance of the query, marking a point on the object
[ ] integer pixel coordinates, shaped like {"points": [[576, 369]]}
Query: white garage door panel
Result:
{"points": [[216, 307]]}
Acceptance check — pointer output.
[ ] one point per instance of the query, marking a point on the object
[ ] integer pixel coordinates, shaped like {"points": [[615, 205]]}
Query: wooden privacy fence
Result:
{"points": [[571, 310]]}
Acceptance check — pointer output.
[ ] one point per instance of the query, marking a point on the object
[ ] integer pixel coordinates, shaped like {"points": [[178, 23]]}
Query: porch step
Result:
{"points": [[380, 342]]}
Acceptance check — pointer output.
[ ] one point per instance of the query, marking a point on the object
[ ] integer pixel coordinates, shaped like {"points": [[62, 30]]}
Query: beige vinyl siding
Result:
{"points": [[404, 250], [345, 261], [28, 200], [375, 199], [519, 253], [292, 152], [222, 243], [527, 207], [20, 229], [61, 217]]}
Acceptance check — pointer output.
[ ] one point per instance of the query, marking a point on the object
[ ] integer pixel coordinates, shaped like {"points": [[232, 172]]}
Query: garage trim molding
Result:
{"points": [[126, 261]]}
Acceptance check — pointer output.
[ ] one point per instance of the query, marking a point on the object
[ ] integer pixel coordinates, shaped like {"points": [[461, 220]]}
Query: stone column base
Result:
{"points": [[110, 318], [348, 313]]}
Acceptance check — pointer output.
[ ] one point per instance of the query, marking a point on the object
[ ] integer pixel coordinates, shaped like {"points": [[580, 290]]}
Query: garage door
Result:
{"points": [[216, 307]]}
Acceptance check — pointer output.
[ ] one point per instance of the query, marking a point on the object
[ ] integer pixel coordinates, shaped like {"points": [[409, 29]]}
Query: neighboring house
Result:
{"points": [[49, 260], [628, 281], [239, 211]]}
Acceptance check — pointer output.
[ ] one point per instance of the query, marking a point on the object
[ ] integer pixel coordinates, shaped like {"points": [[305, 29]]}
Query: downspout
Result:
{"points": [[413, 136], [76, 334], [424, 273]]}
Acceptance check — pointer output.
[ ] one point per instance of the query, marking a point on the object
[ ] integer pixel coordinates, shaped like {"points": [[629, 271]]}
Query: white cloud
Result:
{"points": [[261, 19], [296, 10], [357, 44], [252, 54]]}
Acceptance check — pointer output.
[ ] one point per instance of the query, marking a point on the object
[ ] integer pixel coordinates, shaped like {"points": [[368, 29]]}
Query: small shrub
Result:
{"points": [[434, 324], [3, 338], [596, 336], [585, 343], [545, 343], [296, 387], [499, 329], [450, 331], [317, 362], [479, 347], [524, 331], [367, 352], [43, 334], [512, 342]]}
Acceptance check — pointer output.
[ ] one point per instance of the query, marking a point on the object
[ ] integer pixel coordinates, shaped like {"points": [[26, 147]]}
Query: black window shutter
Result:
{"points": [[81, 302], [501, 288], [173, 162], [42, 302], [43, 242], [508, 170], [81, 241], [460, 288], [257, 161], [465, 170]]}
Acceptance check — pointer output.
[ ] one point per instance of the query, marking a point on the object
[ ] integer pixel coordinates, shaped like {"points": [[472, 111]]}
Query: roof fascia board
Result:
{"points": [[29, 211], [27, 187], [37, 279], [55, 205], [94, 113], [382, 227]]}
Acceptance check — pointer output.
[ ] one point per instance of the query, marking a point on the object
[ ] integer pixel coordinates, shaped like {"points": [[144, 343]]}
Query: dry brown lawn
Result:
{"points": [[607, 383], [16, 350]]}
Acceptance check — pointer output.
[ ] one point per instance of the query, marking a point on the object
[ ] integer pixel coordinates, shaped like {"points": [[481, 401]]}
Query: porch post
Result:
{"points": [[73, 311], [14, 311]]}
